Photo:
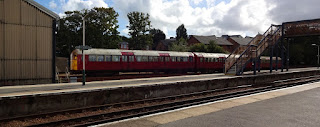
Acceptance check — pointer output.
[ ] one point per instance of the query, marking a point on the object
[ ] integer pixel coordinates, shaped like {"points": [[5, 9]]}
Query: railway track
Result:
{"points": [[114, 112]]}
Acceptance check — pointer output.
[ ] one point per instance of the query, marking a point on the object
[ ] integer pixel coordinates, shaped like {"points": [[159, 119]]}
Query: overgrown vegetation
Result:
{"points": [[211, 48]]}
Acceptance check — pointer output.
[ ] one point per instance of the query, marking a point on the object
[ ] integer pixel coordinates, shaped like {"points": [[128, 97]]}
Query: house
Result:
{"points": [[240, 40], [124, 45], [163, 45], [221, 41]]}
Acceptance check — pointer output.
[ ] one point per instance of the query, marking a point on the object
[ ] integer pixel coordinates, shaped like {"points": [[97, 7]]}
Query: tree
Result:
{"points": [[211, 48], [181, 32], [157, 35], [68, 35], [180, 46], [199, 47], [101, 30], [139, 26], [214, 48]]}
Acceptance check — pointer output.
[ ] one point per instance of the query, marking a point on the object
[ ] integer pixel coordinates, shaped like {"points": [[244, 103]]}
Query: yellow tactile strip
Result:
{"points": [[167, 117]]}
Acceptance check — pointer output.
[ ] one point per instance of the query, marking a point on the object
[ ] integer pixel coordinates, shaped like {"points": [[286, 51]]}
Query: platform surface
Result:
{"points": [[291, 107], [22, 90]]}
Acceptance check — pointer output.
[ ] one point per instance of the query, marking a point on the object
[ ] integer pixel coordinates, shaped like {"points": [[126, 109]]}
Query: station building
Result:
{"points": [[27, 43]]}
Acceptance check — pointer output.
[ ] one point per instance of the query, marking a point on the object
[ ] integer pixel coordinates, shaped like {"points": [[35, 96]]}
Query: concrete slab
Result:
{"points": [[278, 93], [262, 96], [168, 117], [298, 109], [224, 104], [196, 111], [133, 123], [245, 100]]}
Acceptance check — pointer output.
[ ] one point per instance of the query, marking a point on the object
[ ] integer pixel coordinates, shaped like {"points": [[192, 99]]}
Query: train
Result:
{"points": [[118, 60]]}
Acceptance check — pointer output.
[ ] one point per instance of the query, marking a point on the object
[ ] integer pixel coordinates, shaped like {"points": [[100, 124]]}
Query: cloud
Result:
{"points": [[293, 10], [72, 5], [52, 4], [196, 2], [237, 16], [204, 17]]}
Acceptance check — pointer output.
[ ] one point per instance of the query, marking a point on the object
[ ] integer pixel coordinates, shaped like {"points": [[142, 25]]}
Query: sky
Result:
{"points": [[201, 17]]}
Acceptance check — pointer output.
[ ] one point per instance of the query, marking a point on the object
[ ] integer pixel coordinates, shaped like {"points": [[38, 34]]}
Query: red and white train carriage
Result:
{"points": [[115, 60]]}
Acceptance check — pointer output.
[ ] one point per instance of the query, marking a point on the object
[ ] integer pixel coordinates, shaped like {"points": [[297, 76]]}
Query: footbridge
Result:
{"points": [[272, 39]]}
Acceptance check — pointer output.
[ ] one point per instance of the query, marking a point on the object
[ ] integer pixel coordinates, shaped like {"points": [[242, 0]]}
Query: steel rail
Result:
{"points": [[146, 110]]}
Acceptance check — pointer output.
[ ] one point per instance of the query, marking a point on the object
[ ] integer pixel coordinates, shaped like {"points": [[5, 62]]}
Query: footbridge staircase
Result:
{"points": [[236, 62], [241, 56]]}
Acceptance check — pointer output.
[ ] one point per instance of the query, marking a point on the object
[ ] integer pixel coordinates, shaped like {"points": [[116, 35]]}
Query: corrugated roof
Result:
{"points": [[207, 39], [241, 41], [44, 9]]}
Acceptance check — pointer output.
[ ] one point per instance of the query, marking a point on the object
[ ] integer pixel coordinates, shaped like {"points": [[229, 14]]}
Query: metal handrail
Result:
{"points": [[265, 35], [233, 53], [242, 68]]}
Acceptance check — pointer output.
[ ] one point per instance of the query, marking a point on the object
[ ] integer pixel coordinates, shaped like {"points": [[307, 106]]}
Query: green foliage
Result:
{"points": [[157, 35], [211, 48], [139, 26], [181, 32], [214, 48], [180, 46], [101, 29], [199, 47]]}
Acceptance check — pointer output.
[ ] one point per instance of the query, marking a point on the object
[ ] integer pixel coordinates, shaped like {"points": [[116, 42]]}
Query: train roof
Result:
{"points": [[211, 55], [133, 52]]}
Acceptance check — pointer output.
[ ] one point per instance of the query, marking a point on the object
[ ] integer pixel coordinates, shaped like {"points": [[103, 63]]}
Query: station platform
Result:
{"points": [[26, 90], [33, 99], [290, 107]]}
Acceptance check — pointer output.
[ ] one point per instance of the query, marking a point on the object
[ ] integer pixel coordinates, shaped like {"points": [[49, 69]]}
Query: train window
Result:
{"points": [[131, 58], [161, 59], [124, 58], [108, 58], [138, 58], [155, 59], [178, 59], [100, 58], [144, 59], [167, 59], [115, 58], [201, 59], [92, 58], [173, 59], [207, 59], [185, 59], [190, 59], [150, 58]]}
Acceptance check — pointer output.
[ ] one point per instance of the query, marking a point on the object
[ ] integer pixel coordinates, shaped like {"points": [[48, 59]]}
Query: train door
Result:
{"points": [[131, 63], [127, 59], [164, 59], [124, 62]]}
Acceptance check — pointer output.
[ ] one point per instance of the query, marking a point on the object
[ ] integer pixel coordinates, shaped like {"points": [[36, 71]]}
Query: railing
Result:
{"points": [[254, 49]]}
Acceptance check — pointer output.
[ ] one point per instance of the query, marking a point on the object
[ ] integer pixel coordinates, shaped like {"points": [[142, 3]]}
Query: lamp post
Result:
{"points": [[318, 53], [83, 47]]}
